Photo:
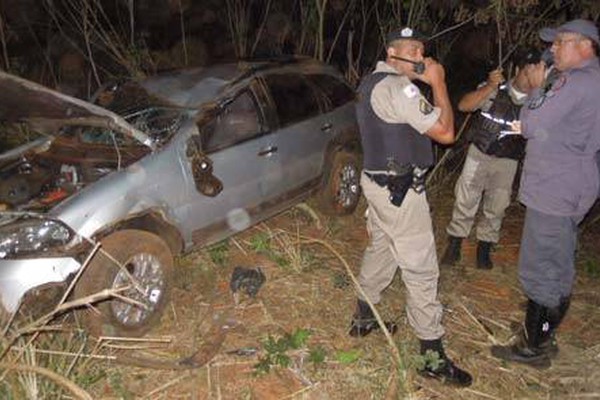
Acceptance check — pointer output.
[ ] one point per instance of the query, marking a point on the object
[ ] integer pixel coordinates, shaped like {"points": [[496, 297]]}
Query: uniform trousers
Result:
{"points": [[402, 238], [487, 177], [547, 256]]}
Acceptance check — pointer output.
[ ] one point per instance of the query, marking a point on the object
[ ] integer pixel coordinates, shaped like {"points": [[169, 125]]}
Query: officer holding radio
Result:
{"points": [[397, 125], [491, 163], [561, 122]]}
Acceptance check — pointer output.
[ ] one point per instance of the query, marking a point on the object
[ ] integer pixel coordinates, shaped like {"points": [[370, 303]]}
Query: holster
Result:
{"points": [[399, 184]]}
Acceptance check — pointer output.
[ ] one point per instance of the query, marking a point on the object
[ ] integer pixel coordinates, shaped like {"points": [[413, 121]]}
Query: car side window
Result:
{"points": [[237, 122], [293, 97], [337, 92]]}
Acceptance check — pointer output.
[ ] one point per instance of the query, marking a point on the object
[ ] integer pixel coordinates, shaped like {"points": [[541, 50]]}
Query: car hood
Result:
{"points": [[23, 100]]}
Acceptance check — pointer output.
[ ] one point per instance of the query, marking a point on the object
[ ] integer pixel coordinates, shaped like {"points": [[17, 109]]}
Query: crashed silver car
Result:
{"points": [[150, 169]]}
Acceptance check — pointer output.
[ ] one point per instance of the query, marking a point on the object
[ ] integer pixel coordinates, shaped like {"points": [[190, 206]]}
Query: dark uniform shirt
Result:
{"points": [[560, 176]]}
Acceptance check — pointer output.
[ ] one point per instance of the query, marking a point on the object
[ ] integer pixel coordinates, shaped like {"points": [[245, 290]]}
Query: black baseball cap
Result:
{"points": [[526, 56]]}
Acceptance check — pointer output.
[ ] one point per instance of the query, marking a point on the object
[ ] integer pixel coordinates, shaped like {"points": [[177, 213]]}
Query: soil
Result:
{"points": [[308, 287]]}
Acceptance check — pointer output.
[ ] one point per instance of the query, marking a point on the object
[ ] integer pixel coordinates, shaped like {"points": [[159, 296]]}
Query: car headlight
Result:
{"points": [[33, 235]]}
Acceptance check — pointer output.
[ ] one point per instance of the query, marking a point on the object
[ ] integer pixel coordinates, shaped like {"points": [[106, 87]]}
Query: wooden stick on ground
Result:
{"points": [[479, 324]]}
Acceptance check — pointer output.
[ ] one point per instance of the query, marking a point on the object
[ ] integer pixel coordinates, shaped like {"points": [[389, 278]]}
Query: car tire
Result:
{"points": [[147, 258], [340, 190]]}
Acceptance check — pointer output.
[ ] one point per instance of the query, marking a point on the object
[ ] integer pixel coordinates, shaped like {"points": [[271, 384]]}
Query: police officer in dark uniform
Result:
{"points": [[491, 164], [560, 181], [397, 125]]}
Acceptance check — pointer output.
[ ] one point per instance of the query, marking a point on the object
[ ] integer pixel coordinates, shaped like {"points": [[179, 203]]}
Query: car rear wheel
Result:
{"points": [[340, 192], [147, 270]]}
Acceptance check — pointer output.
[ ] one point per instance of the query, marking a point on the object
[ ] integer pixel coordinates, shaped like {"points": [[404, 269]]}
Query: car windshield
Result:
{"points": [[155, 117], [151, 115]]}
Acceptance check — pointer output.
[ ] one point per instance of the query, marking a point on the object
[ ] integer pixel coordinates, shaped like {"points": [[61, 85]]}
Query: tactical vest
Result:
{"points": [[387, 144], [485, 131]]}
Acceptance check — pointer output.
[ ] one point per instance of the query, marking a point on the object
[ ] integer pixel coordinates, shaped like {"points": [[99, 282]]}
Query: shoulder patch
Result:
{"points": [[410, 91], [559, 83], [425, 107]]}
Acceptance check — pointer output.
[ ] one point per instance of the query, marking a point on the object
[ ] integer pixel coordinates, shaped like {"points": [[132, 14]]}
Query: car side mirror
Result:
{"points": [[202, 170]]}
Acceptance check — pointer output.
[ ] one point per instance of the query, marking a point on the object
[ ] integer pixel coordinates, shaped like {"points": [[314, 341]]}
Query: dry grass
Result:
{"points": [[314, 290]]}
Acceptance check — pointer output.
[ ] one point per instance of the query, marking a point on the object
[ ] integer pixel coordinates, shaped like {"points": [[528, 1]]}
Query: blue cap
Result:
{"points": [[581, 26]]}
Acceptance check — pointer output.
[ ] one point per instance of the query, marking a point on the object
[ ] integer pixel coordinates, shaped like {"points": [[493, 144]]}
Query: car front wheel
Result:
{"points": [[142, 283], [340, 191]]}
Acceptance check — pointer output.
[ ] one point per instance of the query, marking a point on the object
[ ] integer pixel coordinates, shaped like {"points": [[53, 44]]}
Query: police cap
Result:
{"points": [[405, 33], [581, 26]]}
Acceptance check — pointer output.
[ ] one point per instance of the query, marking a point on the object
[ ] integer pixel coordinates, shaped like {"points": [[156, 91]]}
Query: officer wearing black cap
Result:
{"points": [[561, 122], [491, 164], [397, 126]]}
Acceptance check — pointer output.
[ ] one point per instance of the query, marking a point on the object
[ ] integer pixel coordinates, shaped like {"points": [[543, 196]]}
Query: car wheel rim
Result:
{"points": [[349, 186], [147, 288]]}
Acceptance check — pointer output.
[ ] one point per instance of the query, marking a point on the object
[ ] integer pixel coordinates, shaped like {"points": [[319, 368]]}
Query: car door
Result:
{"points": [[241, 151], [303, 131]]}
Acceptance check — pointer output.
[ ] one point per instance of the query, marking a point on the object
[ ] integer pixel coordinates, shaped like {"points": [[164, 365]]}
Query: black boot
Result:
{"points": [[439, 366], [555, 316], [364, 322], [452, 253], [484, 261], [528, 347]]}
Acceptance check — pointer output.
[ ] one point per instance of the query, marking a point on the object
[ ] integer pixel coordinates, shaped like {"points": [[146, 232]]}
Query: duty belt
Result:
{"points": [[398, 185]]}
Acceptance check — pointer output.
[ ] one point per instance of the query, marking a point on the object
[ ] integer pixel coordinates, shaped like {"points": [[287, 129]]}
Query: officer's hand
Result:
{"points": [[515, 127], [536, 74], [495, 77], [521, 80], [434, 72], [529, 77]]}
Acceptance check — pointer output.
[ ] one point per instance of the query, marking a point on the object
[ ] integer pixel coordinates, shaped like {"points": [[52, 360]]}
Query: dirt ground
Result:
{"points": [[307, 287]]}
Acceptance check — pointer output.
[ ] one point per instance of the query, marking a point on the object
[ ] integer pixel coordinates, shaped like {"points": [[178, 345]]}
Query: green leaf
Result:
{"points": [[283, 360], [260, 243], [317, 355], [430, 359], [347, 357], [263, 366], [299, 338], [218, 252]]}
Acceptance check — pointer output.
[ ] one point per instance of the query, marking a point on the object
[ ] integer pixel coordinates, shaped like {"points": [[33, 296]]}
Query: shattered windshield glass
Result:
{"points": [[153, 116]]}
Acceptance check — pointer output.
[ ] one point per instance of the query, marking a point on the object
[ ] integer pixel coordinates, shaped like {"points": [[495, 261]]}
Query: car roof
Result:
{"points": [[190, 88]]}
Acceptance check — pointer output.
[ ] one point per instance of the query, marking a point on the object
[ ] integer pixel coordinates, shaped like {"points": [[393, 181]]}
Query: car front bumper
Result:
{"points": [[17, 277]]}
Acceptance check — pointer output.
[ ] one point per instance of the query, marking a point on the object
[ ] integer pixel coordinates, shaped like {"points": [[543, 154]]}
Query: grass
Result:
{"points": [[348, 356], [219, 252], [282, 247], [115, 380], [289, 349], [319, 355], [37, 371], [591, 267]]}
